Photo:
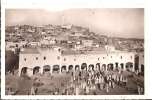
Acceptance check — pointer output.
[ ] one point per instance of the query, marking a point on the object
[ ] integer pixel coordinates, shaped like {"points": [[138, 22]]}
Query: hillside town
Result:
{"points": [[65, 36], [71, 60]]}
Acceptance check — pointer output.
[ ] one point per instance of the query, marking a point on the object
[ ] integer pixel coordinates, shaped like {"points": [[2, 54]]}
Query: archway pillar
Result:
{"points": [[88, 67], [95, 67], [139, 67], [41, 70], [29, 71], [119, 67], [51, 69], [124, 66], [80, 67], [60, 69], [114, 66], [74, 68], [19, 72], [133, 67], [106, 67], [66, 68], [100, 66]]}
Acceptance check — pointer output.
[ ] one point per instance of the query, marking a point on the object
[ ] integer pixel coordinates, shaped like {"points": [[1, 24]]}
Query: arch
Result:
{"points": [[104, 67], [36, 70], [122, 66], [98, 66], [91, 67], [46, 69], [116, 64], [24, 71], [129, 66], [110, 66], [70, 67], [77, 67], [136, 62], [142, 68], [56, 69], [84, 66], [63, 68]]}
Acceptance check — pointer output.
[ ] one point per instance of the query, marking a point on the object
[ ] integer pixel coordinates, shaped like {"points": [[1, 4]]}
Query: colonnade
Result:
{"points": [[51, 69]]}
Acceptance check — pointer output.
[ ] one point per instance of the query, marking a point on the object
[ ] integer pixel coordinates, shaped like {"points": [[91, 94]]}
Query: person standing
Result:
{"points": [[107, 87], [32, 90], [114, 77], [87, 89], [142, 90], [77, 90], [139, 92], [100, 82], [121, 79]]}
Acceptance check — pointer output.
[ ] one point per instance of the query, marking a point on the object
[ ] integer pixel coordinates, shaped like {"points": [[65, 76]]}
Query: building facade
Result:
{"points": [[51, 61]]}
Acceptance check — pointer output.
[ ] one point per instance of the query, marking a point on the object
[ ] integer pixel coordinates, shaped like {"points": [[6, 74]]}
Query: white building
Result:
{"points": [[110, 48], [67, 26], [141, 62], [32, 61], [87, 43], [47, 41], [34, 44], [12, 45]]}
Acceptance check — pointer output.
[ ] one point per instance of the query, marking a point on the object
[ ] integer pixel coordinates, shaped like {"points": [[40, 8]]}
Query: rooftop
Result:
{"points": [[30, 51], [85, 51], [91, 51]]}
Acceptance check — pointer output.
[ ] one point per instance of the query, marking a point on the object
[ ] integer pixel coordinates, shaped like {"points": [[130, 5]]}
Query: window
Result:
{"points": [[58, 57], [111, 56], [64, 59], [98, 58], [121, 57], [131, 57], [44, 58], [74, 59], [36, 58], [24, 59], [103, 57]]}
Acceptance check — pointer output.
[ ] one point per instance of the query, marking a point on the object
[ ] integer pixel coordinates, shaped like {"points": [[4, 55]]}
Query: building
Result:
{"points": [[32, 61], [141, 62], [47, 42], [10, 46], [13, 45], [34, 44], [67, 26], [110, 48], [87, 43]]}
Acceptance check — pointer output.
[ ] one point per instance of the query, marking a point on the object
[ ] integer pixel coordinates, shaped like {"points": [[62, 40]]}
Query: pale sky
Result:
{"points": [[126, 22]]}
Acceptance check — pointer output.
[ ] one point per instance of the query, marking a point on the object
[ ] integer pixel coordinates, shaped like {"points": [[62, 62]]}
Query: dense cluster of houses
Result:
{"points": [[69, 36]]}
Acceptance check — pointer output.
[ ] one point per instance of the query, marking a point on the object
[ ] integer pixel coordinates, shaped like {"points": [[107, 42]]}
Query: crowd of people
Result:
{"points": [[85, 82], [90, 82]]}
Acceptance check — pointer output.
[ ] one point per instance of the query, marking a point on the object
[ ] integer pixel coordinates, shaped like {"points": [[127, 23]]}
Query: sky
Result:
{"points": [[118, 22]]}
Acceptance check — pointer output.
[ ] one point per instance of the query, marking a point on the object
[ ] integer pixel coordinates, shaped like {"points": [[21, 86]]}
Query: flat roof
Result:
{"points": [[99, 50], [30, 51], [79, 52]]}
